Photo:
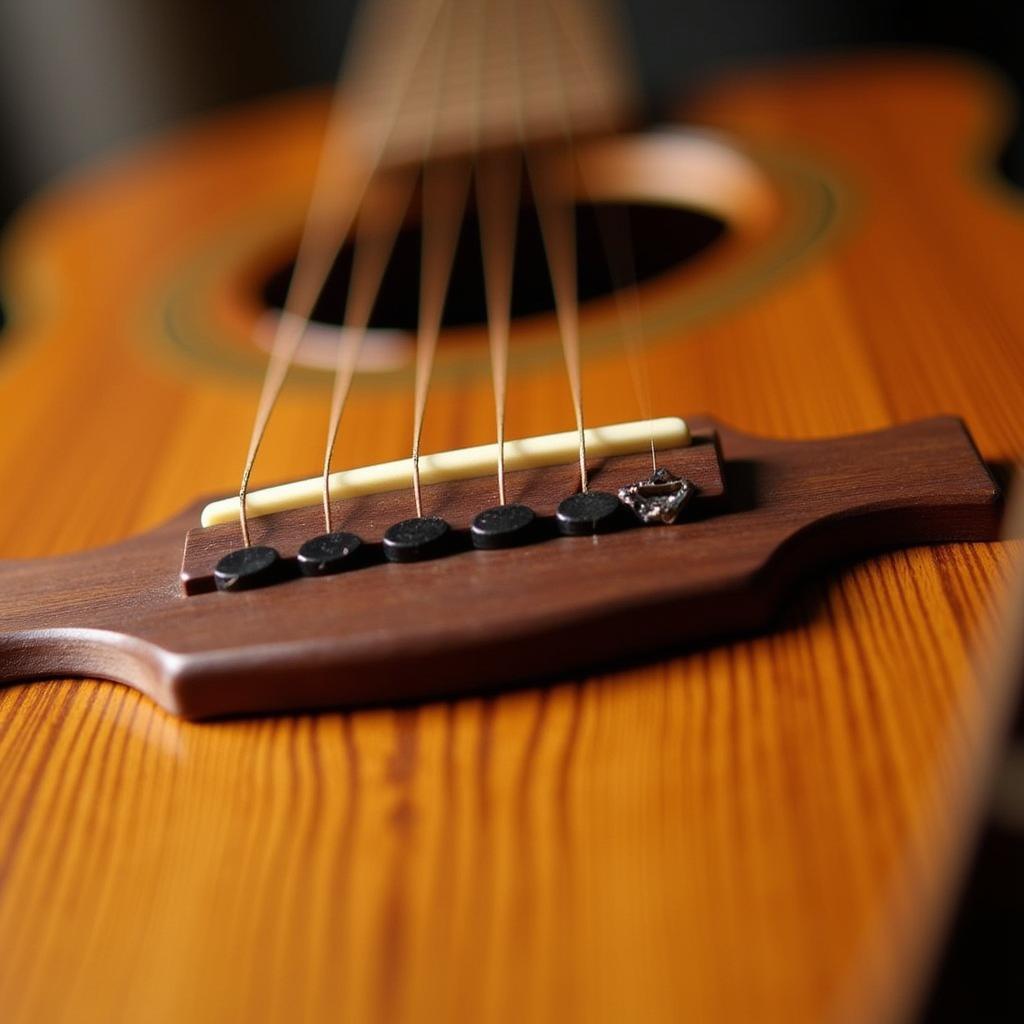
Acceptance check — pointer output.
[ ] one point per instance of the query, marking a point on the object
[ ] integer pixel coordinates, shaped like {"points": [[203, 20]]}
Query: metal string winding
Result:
{"points": [[333, 208], [498, 189], [556, 213], [376, 230]]}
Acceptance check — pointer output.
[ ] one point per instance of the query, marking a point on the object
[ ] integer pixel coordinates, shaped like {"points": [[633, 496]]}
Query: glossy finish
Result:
{"points": [[582, 515], [503, 526], [765, 830], [241, 569], [330, 553]]}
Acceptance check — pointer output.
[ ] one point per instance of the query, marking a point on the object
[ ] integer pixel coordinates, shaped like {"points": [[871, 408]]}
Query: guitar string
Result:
{"points": [[498, 184], [311, 268], [445, 191], [442, 213], [616, 234], [324, 231], [557, 218], [375, 233], [615, 231]]}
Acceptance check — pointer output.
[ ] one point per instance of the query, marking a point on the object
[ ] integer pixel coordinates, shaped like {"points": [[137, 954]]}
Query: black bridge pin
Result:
{"points": [[588, 512], [504, 526], [248, 568], [415, 540], [330, 553]]}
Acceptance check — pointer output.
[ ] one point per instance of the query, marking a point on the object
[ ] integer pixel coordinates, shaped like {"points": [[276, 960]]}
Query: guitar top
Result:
{"points": [[652, 824]]}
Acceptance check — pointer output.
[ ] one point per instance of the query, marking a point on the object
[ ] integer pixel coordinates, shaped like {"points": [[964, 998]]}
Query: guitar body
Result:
{"points": [[765, 829]]}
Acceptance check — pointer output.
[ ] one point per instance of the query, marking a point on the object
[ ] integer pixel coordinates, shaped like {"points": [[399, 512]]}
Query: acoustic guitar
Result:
{"points": [[575, 762]]}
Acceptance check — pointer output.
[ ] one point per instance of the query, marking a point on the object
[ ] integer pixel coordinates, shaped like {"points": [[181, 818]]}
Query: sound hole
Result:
{"points": [[663, 237]]}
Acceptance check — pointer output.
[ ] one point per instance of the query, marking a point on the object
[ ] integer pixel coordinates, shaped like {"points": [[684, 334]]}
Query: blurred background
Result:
{"points": [[78, 77]]}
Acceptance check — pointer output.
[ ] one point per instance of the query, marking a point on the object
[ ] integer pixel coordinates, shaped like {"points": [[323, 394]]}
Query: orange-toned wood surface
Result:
{"points": [[760, 831]]}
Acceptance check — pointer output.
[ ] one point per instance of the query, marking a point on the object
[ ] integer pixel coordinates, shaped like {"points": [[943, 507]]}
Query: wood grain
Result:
{"points": [[762, 830]]}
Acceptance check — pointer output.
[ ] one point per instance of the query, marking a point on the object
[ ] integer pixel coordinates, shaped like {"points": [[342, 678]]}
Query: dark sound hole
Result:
{"points": [[661, 238]]}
